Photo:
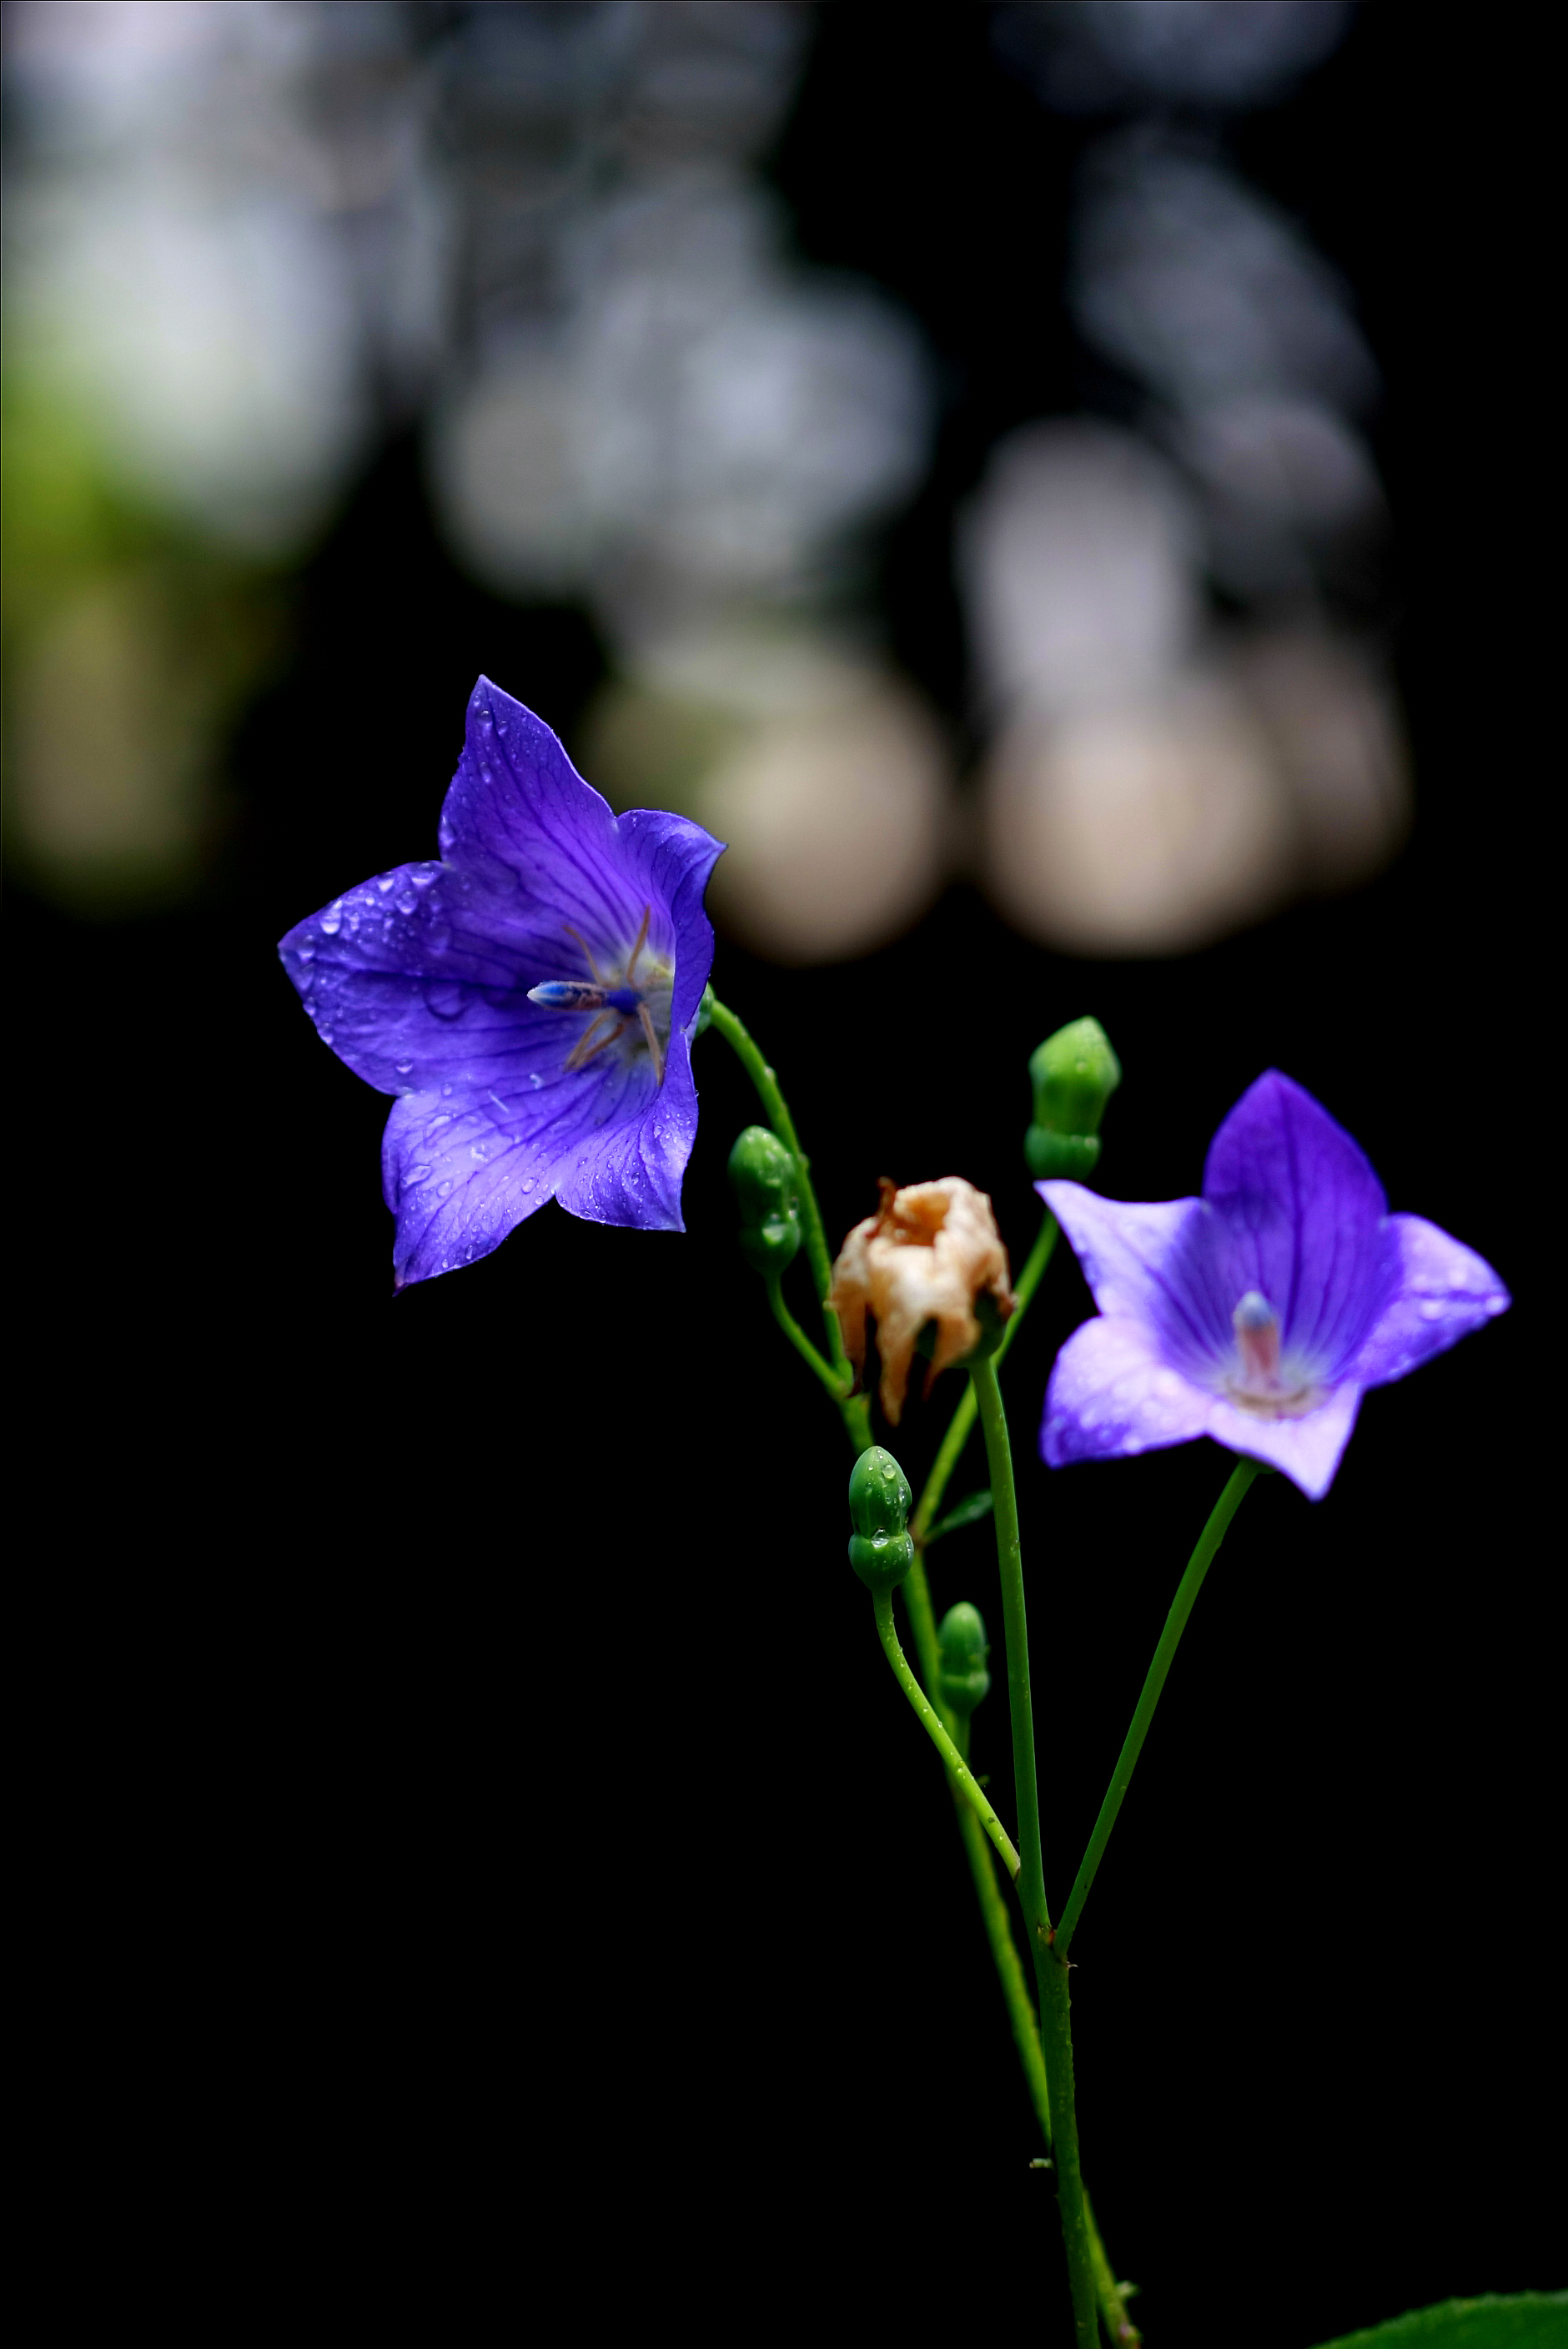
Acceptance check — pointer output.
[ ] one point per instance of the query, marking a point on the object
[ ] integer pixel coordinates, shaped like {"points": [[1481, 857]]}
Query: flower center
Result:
{"points": [[628, 1004], [1263, 1383]]}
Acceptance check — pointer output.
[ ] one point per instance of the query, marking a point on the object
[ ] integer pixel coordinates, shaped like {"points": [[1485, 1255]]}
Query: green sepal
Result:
{"points": [[881, 1550], [1073, 1074], [961, 1679], [762, 1174], [992, 1329]]}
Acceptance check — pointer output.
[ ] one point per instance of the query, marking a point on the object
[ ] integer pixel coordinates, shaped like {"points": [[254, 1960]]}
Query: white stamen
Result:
{"points": [[1256, 1325]]}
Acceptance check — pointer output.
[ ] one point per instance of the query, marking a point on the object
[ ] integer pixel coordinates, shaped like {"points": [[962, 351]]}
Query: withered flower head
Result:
{"points": [[928, 1255]]}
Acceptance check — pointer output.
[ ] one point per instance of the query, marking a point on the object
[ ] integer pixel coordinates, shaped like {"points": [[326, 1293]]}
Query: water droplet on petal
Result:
{"points": [[442, 1189], [384, 882], [527, 1182], [332, 920], [404, 1068]]}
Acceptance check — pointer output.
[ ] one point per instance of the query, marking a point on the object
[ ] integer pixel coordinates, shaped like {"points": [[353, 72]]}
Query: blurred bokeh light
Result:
{"points": [[248, 242]]}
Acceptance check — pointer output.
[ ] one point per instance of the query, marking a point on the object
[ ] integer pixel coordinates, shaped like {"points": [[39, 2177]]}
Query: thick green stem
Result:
{"points": [[1050, 1970], [856, 1409], [958, 1769], [1197, 1566], [963, 1420]]}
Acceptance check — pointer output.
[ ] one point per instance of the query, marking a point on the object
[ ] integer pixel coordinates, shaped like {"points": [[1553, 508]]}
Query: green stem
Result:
{"points": [[963, 1420], [802, 1344], [963, 1776], [916, 1592], [856, 1409], [1005, 1955], [1050, 1969], [994, 1912], [1197, 1566]]}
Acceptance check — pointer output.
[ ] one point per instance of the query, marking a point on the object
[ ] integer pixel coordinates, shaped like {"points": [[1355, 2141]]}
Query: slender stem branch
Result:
{"points": [[998, 1923], [748, 1053], [1197, 1566], [916, 1592], [856, 1409], [1050, 1970], [830, 1379], [959, 1770], [963, 1420]]}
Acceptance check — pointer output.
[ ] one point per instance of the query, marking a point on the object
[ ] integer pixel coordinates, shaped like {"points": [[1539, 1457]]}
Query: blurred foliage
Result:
{"points": [[129, 648], [1528, 2320]]}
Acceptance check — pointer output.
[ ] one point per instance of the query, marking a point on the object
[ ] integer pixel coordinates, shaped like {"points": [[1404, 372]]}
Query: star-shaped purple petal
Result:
{"points": [[421, 980], [1261, 1312]]}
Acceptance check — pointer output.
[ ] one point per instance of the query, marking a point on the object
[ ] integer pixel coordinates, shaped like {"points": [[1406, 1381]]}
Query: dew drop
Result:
{"points": [[384, 882], [445, 1090], [332, 920], [535, 1079], [406, 902], [404, 1068], [442, 1189], [527, 1182]]}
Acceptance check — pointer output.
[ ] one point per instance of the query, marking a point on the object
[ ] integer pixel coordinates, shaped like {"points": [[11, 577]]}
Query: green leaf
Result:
{"points": [[1526, 2320], [968, 1513]]}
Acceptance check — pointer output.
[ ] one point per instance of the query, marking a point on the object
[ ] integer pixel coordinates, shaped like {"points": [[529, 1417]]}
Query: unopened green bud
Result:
{"points": [[961, 1679], [881, 1548], [1073, 1073], [763, 1174]]}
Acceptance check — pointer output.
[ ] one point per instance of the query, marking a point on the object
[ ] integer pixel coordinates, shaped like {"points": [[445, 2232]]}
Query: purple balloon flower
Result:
{"points": [[531, 999], [1262, 1312]]}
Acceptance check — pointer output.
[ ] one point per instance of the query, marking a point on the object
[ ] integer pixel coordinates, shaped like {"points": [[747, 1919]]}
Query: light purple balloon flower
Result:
{"points": [[530, 999], [1261, 1313]]}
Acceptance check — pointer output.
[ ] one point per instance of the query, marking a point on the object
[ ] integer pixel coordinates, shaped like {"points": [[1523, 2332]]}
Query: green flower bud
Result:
{"points": [[961, 1679], [1073, 1073], [881, 1548], [763, 1174]]}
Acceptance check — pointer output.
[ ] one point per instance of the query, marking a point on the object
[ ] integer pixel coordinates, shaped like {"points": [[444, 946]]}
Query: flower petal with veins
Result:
{"points": [[1294, 1220]]}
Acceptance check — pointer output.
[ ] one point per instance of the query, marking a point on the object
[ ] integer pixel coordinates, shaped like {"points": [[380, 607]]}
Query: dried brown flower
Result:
{"points": [[926, 1254]]}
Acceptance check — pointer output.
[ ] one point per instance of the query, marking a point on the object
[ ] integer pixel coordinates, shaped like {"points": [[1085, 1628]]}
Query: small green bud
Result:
{"points": [[1073, 1074], [763, 1175], [881, 1548], [961, 1679]]}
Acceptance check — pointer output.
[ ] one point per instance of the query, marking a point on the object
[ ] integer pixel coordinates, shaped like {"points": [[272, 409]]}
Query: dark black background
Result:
{"points": [[483, 1854]]}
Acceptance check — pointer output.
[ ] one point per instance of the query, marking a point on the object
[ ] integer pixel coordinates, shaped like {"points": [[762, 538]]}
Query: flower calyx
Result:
{"points": [[930, 1258]]}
